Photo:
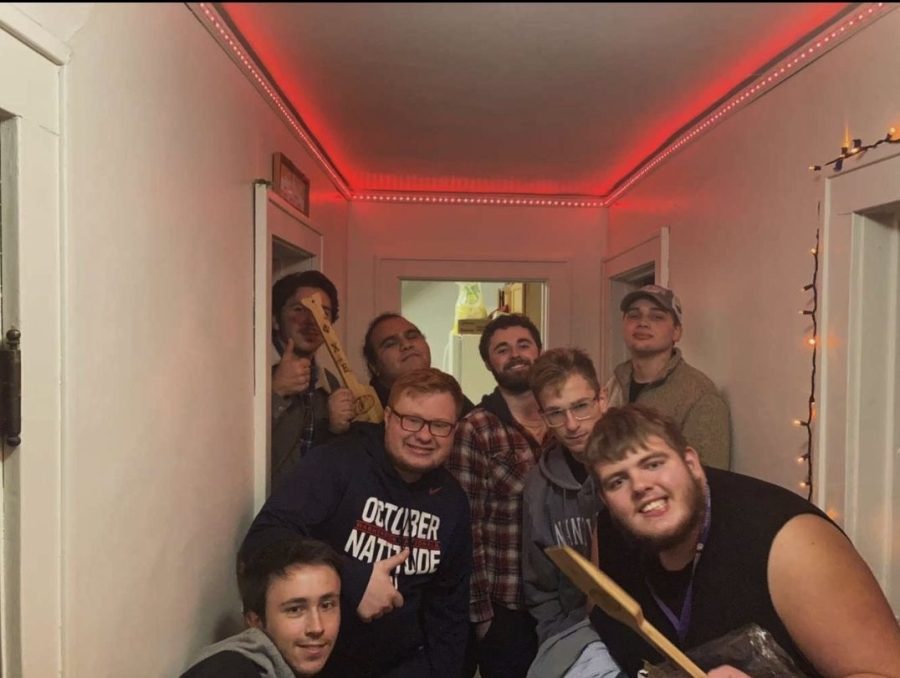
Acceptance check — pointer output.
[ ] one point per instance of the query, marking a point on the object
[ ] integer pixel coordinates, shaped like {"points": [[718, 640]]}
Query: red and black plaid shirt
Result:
{"points": [[491, 456]]}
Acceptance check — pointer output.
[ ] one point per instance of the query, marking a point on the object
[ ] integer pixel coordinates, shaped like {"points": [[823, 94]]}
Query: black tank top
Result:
{"points": [[730, 584]]}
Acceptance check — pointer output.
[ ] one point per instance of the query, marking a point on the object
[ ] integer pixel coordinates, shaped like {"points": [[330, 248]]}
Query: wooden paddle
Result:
{"points": [[365, 400], [612, 599]]}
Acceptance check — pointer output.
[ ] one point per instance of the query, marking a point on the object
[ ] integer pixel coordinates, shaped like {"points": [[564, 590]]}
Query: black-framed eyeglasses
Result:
{"points": [[438, 427], [583, 409]]}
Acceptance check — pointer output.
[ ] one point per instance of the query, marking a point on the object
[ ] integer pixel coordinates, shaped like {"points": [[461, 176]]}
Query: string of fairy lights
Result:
{"points": [[856, 148], [813, 341], [851, 149]]}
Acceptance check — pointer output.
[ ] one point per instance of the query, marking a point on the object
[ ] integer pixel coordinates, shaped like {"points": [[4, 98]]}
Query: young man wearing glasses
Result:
{"points": [[560, 506], [381, 497]]}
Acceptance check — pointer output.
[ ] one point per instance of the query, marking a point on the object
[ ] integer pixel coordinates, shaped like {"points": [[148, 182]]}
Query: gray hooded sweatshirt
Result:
{"points": [[255, 646], [558, 510]]}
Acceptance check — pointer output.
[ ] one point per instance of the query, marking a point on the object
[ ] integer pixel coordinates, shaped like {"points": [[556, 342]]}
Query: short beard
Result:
{"points": [[654, 545], [515, 382]]}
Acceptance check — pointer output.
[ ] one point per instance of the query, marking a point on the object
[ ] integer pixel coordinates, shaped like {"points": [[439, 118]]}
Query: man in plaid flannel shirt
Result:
{"points": [[496, 445]]}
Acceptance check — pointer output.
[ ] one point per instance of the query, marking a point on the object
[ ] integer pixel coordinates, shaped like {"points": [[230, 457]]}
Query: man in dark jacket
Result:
{"points": [[381, 496], [308, 404]]}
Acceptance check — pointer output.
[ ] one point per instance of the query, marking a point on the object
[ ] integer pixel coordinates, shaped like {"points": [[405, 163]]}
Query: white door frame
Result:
{"points": [[653, 250], [33, 572], [273, 217], [557, 275], [852, 484]]}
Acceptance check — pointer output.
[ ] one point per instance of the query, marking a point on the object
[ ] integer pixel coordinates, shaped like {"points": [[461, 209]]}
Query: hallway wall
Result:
{"points": [[742, 208], [163, 138]]}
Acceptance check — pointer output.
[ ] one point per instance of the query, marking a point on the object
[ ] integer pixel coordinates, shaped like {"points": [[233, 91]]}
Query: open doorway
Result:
{"points": [[284, 242], [857, 468], [452, 315], [644, 264], [287, 258], [874, 393], [619, 286]]}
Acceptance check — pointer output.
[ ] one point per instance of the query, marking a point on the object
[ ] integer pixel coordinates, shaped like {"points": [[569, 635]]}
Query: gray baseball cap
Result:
{"points": [[664, 297]]}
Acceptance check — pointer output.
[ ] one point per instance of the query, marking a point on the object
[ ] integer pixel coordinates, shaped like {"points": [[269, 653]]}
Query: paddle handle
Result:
{"points": [[665, 646]]}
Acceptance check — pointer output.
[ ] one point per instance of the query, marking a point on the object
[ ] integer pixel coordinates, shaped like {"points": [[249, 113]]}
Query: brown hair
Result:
{"points": [[503, 322], [273, 561], [426, 381], [622, 429], [555, 366], [285, 287], [370, 353]]}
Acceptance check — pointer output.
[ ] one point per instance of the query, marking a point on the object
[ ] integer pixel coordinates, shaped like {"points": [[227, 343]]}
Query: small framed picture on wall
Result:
{"points": [[290, 183]]}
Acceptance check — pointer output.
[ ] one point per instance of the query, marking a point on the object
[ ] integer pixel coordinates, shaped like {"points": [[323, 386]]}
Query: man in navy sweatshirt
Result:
{"points": [[381, 497]]}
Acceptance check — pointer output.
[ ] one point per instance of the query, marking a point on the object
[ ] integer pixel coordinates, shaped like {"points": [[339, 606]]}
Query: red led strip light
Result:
{"points": [[784, 68], [224, 35], [477, 200]]}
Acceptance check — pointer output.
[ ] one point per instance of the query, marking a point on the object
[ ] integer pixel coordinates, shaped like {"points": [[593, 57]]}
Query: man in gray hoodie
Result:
{"points": [[291, 593], [560, 507]]}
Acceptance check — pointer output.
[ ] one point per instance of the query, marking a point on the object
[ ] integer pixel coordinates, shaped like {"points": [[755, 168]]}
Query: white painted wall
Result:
{"points": [[31, 493], [526, 237], [161, 141], [742, 207]]}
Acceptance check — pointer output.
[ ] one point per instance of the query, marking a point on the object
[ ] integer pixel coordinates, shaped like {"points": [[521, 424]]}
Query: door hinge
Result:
{"points": [[11, 388]]}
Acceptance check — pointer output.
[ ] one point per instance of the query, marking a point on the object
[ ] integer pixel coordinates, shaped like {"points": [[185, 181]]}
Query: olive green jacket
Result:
{"points": [[690, 398]]}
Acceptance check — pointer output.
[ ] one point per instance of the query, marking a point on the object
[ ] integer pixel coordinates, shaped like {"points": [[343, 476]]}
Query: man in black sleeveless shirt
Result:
{"points": [[706, 552]]}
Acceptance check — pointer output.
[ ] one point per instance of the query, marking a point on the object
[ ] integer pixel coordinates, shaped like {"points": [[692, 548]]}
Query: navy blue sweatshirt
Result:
{"points": [[348, 494]]}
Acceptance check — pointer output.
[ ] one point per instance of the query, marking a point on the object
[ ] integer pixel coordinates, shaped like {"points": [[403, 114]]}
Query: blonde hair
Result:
{"points": [[424, 381]]}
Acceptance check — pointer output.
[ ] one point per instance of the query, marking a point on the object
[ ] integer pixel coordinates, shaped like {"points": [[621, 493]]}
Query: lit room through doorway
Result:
{"points": [[452, 315]]}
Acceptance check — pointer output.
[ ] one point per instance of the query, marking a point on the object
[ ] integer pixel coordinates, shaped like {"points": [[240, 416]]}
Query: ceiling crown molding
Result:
{"points": [[856, 18], [234, 47], [773, 75], [516, 200]]}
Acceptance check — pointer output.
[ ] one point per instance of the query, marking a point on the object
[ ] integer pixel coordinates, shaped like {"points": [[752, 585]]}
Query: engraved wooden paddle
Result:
{"points": [[365, 400], [612, 599]]}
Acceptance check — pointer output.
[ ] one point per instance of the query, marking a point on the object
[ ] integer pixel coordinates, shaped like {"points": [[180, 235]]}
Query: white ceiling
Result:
{"points": [[546, 99]]}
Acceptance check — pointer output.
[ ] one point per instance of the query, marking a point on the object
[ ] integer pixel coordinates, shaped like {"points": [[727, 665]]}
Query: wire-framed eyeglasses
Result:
{"points": [[438, 427], [583, 409]]}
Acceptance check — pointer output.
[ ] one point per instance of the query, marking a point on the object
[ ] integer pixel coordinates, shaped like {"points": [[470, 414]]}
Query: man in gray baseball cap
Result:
{"points": [[658, 376]]}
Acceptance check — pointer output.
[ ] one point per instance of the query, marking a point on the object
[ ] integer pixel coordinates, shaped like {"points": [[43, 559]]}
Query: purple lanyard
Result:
{"points": [[683, 621]]}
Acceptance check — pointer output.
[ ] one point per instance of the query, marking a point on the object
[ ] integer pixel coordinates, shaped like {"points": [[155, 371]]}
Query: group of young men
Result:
{"points": [[441, 516]]}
